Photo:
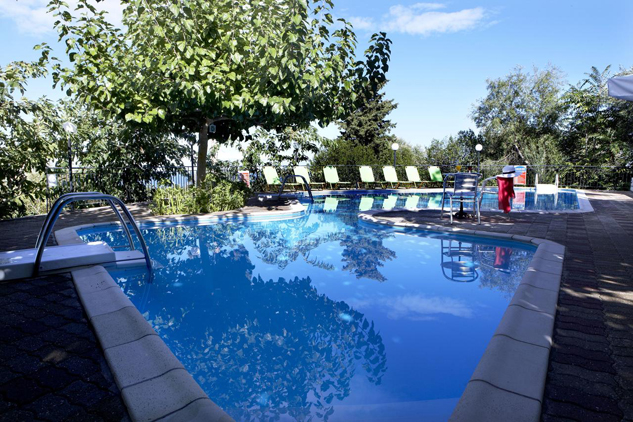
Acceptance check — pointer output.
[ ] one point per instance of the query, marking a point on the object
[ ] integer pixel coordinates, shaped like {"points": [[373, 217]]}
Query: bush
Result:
{"points": [[211, 196]]}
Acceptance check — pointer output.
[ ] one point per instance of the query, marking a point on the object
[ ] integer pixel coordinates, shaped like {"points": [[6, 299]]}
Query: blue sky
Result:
{"points": [[442, 52]]}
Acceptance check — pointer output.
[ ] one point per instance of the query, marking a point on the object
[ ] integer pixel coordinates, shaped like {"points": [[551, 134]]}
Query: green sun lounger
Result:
{"points": [[272, 179], [303, 171], [435, 175], [367, 177], [391, 177], [413, 176], [331, 177]]}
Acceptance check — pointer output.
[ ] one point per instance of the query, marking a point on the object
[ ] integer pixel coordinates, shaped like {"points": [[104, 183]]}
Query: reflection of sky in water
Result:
{"points": [[389, 325]]}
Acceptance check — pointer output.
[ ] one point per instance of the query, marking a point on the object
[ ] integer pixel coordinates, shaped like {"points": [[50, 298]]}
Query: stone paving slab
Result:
{"points": [[590, 376]]}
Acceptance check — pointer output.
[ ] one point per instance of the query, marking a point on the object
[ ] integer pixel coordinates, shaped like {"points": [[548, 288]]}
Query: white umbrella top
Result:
{"points": [[621, 87]]}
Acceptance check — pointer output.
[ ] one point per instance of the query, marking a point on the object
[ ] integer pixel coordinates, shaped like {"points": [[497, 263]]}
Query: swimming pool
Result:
{"points": [[526, 200], [320, 318]]}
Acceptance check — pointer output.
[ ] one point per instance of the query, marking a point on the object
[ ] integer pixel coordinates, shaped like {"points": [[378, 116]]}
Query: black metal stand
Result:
{"points": [[461, 214]]}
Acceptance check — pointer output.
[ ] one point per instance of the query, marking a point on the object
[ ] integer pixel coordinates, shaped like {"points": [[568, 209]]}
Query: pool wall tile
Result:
{"points": [[104, 301], [522, 238], [92, 281], [547, 266], [513, 366], [542, 280], [141, 360], [548, 255], [198, 411], [483, 402]]}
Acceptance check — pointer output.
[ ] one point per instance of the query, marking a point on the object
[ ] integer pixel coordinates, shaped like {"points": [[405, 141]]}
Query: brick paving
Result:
{"points": [[51, 366], [590, 375]]}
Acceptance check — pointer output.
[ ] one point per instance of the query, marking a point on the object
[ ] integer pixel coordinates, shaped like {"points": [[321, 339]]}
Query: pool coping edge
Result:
{"points": [[509, 380], [156, 387]]}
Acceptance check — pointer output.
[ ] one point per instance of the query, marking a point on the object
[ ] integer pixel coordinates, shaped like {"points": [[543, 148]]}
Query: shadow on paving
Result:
{"points": [[51, 366]]}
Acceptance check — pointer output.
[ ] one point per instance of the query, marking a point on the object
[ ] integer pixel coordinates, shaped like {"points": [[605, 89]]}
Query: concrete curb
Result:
{"points": [[509, 381], [152, 381]]}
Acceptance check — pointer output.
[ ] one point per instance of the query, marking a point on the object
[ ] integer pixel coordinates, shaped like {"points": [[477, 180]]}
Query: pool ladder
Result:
{"points": [[305, 182], [62, 201]]}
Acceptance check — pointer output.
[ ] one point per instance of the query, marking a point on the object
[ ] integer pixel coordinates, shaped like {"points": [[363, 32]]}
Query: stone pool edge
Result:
{"points": [[509, 380], [153, 383]]}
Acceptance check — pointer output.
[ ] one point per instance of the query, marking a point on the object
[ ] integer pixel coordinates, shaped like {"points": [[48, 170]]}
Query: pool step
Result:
{"points": [[19, 264]]}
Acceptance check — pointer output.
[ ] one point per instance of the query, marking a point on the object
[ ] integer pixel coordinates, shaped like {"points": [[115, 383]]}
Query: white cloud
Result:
{"points": [[362, 23], [409, 20], [428, 6], [423, 19], [31, 17], [416, 307]]}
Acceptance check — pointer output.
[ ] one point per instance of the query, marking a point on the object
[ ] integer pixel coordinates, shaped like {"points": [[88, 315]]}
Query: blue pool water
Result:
{"points": [[525, 200], [321, 318]]}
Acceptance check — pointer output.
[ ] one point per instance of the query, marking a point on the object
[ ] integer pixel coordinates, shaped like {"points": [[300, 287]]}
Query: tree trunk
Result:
{"points": [[203, 146]]}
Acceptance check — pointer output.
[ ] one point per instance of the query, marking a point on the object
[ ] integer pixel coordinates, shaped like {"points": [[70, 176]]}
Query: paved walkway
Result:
{"points": [[51, 367], [590, 375]]}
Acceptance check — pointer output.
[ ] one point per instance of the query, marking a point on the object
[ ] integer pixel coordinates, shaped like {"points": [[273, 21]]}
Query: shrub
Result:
{"points": [[213, 195]]}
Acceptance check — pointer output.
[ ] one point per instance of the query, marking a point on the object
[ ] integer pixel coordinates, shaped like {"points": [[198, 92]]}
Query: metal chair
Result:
{"points": [[464, 190]]}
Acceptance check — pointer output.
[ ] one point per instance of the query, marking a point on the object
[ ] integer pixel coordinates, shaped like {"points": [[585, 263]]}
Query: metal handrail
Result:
{"points": [[483, 188], [68, 198], [305, 182], [57, 204]]}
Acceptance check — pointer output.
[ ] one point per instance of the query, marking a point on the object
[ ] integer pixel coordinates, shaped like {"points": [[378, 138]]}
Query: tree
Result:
{"points": [[519, 112], [289, 147], [218, 67], [453, 150], [368, 125], [599, 127], [28, 130]]}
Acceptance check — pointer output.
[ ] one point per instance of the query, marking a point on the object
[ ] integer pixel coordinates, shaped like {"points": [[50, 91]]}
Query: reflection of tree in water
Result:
{"points": [[363, 250], [261, 349], [506, 279], [364, 253]]}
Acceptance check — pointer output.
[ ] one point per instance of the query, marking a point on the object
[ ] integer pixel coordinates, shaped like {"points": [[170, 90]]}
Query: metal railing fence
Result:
{"points": [[132, 184], [570, 176]]}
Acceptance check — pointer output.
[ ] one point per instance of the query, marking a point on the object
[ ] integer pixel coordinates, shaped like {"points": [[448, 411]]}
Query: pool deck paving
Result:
{"points": [[590, 376]]}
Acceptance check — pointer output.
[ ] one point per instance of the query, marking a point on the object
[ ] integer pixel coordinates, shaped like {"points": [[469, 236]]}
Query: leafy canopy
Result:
{"points": [[267, 63]]}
